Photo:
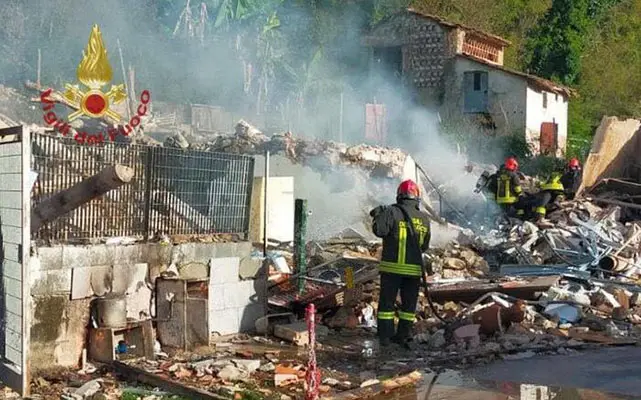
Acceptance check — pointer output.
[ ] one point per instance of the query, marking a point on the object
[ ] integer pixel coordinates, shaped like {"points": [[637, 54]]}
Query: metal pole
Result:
{"points": [[124, 79], [300, 229], [39, 68], [340, 121], [265, 203]]}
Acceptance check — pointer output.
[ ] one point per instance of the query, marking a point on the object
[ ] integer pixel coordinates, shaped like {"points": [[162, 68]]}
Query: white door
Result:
{"points": [[15, 205]]}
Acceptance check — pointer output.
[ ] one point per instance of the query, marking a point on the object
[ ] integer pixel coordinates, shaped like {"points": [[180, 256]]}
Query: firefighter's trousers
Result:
{"points": [[390, 285]]}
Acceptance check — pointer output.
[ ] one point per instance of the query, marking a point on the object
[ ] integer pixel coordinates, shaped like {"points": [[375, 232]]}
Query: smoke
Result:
{"points": [[319, 92]]}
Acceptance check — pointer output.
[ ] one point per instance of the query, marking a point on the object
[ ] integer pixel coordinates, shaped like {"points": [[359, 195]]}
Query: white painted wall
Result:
{"points": [[556, 111], [506, 95]]}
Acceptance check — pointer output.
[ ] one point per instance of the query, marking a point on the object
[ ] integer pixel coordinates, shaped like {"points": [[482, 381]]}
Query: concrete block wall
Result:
{"points": [[234, 304], [59, 324]]}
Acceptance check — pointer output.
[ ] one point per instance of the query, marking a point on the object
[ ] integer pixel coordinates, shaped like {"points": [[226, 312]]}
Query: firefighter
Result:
{"points": [[558, 186], [505, 187], [552, 189], [401, 261], [571, 178]]}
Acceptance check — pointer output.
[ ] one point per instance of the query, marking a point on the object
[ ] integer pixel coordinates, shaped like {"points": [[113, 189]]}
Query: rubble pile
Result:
{"points": [[456, 261], [378, 161]]}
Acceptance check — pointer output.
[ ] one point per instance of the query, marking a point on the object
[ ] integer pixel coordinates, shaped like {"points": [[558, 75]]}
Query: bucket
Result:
{"points": [[110, 312]]}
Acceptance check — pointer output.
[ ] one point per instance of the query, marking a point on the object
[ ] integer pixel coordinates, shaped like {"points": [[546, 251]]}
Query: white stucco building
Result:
{"points": [[459, 70]]}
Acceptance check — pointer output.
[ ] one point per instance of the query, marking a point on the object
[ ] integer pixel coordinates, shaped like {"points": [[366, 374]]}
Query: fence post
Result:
{"points": [[300, 229], [149, 163]]}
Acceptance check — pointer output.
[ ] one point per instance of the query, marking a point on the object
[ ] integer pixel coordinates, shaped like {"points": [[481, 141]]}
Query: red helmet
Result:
{"points": [[408, 189], [574, 163], [511, 164]]}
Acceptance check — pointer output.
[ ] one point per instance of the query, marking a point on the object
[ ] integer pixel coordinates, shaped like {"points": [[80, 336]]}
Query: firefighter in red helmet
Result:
{"points": [[558, 186], [505, 187], [401, 261], [571, 178]]}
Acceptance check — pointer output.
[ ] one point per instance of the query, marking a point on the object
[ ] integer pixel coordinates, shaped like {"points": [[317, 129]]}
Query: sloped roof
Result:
{"points": [[450, 24], [533, 80]]}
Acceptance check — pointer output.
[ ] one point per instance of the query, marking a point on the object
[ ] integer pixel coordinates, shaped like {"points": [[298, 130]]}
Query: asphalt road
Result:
{"points": [[615, 370]]}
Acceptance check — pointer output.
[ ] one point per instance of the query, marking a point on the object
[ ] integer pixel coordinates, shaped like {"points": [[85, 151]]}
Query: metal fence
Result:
{"points": [[174, 191]]}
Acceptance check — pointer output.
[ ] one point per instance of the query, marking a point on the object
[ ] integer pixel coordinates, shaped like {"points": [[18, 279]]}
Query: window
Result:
{"points": [[545, 100], [556, 97], [475, 91], [477, 81]]}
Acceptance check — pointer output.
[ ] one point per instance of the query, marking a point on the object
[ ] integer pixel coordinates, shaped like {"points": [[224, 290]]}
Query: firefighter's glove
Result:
{"points": [[376, 211]]}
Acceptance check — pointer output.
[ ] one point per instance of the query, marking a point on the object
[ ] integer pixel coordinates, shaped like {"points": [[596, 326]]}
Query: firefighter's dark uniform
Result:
{"points": [[571, 181], [400, 265], [505, 188], [551, 189]]}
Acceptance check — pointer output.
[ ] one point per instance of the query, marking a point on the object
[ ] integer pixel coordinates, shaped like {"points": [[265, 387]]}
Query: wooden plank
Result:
{"points": [[11, 200], [10, 216], [12, 319], [13, 339], [137, 374], [11, 164], [12, 287], [13, 355], [12, 304], [10, 182], [81, 193], [12, 252], [12, 269], [9, 149]]}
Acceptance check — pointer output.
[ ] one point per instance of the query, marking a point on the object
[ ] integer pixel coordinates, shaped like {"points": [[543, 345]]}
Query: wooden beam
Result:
{"points": [[83, 192]]}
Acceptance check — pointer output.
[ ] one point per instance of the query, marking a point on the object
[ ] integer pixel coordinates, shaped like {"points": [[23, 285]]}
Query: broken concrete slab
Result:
{"points": [[297, 332]]}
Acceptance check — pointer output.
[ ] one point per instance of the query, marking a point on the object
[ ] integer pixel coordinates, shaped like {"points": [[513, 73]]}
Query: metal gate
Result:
{"points": [[15, 205]]}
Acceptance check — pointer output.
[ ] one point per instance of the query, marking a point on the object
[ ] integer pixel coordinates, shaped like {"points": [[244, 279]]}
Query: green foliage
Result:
{"points": [[555, 47], [541, 166]]}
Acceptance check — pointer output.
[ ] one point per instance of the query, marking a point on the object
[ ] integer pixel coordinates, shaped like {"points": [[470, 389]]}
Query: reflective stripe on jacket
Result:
{"points": [[553, 183], [400, 255], [508, 188]]}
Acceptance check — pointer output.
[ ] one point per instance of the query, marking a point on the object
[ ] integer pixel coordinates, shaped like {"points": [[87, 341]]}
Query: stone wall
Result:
{"points": [[64, 279], [615, 148]]}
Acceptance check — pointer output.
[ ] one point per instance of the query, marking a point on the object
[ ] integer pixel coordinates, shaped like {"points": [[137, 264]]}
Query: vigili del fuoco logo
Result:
{"points": [[94, 72]]}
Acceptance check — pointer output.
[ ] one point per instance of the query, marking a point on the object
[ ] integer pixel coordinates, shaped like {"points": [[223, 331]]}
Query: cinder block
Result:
{"points": [[224, 270], [102, 255], [50, 257], [245, 291], [224, 250], [129, 255], [224, 322], [203, 252], [216, 297], [46, 283], [233, 295], [75, 256]]}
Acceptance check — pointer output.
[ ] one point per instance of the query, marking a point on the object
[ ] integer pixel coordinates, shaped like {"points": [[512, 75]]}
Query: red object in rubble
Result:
{"points": [[313, 376]]}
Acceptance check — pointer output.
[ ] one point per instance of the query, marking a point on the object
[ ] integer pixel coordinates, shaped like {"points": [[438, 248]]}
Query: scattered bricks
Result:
{"points": [[285, 375], [468, 335], [247, 365]]}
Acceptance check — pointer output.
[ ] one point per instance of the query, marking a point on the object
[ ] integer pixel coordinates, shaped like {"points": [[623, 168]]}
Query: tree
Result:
{"points": [[555, 47]]}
